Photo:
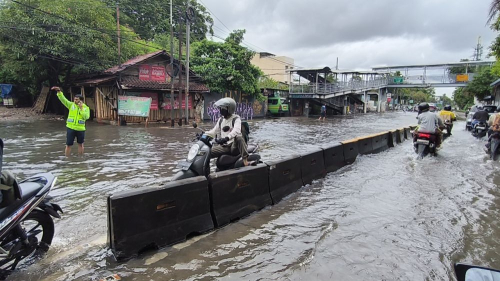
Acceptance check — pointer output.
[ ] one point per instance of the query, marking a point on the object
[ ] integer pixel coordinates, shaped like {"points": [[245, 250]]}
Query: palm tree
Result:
{"points": [[494, 9]]}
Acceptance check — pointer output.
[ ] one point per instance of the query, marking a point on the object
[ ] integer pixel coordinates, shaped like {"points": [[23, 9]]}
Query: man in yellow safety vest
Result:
{"points": [[75, 124]]}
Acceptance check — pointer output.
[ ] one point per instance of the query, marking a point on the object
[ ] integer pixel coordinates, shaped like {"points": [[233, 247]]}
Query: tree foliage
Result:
{"points": [[226, 65], [150, 18], [480, 85], [49, 41], [463, 98], [417, 95], [269, 83]]}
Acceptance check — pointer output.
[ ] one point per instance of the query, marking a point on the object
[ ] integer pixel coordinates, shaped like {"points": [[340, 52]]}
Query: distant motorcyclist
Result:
{"points": [[480, 116], [228, 127], [429, 122], [447, 116]]}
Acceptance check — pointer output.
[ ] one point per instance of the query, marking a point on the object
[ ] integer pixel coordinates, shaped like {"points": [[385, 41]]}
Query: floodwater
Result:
{"points": [[386, 217]]}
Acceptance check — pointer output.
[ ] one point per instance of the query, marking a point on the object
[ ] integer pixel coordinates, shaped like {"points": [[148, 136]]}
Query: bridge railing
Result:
{"points": [[432, 79], [331, 88]]}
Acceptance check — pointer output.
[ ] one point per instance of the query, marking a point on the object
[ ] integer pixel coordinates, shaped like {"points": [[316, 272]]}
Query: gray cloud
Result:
{"points": [[361, 33]]}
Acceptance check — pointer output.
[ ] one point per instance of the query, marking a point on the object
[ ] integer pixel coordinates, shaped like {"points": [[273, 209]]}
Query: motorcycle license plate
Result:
{"points": [[184, 165], [423, 142], [480, 128]]}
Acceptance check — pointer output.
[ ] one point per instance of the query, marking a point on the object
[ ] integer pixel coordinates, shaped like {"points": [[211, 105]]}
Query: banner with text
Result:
{"points": [[134, 106]]}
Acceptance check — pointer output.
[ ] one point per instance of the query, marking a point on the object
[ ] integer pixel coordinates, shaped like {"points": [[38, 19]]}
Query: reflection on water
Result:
{"points": [[386, 217]]}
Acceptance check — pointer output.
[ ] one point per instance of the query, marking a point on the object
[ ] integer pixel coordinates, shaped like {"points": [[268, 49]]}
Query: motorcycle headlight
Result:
{"points": [[193, 151]]}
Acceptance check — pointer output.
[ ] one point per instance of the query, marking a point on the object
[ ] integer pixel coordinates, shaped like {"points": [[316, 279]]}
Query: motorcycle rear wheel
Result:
{"points": [[39, 227]]}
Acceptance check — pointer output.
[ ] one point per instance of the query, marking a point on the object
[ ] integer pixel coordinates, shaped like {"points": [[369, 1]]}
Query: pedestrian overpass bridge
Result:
{"points": [[340, 88]]}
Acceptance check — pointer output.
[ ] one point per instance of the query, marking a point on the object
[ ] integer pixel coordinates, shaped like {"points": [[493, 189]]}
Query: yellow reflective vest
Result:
{"points": [[76, 117], [447, 115]]}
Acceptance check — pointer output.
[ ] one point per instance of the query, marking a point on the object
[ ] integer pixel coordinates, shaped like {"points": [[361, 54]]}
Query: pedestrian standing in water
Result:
{"points": [[323, 112], [75, 124]]}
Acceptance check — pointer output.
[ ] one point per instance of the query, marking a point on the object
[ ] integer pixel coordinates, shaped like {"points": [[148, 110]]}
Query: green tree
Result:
{"points": [[150, 18], [480, 85], [461, 69], [269, 83], [50, 41], [463, 98], [226, 65]]}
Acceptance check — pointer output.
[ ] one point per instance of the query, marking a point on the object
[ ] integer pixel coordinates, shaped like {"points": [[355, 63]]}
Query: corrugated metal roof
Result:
{"points": [[131, 62], [495, 83], [136, 83]]}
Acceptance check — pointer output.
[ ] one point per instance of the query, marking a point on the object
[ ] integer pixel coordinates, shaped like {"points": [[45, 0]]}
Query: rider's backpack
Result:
{"points": [[245, 129]]}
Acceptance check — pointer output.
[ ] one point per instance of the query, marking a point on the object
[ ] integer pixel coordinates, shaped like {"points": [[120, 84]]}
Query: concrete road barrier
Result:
{"points": [[334, 157], [393, 139], [285, 177], [237, 193], [365, 145], [350, 151], [150, 218], [380, 142], [312, 166], [400, 135]]}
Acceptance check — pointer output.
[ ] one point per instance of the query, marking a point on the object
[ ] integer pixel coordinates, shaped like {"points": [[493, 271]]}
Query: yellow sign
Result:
{"points": [[462, 77]]}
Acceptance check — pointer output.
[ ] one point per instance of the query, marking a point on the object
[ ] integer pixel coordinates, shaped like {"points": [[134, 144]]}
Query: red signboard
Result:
{"points": [[176, 103], [145, 72], [158, 73], [154, 99]]}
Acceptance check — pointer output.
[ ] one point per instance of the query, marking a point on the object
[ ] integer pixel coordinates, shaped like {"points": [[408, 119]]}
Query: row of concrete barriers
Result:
{"points": [[154, 217]]}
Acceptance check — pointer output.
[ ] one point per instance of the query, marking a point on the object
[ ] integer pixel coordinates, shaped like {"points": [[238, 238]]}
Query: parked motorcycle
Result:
{"points": [[424, 143], [197, 162], [26, 225], [480, 129], [493, 146]]}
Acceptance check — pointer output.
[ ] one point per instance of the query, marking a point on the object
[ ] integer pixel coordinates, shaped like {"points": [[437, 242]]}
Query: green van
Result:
{"points": [[277, 105]]}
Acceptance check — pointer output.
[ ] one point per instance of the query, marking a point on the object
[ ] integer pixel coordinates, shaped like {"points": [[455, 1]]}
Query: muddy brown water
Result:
{"points": [[386, 217]]}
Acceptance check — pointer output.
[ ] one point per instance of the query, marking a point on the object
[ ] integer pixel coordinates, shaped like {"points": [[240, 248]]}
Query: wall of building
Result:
{"points": [[247, 107], [274, 66]]}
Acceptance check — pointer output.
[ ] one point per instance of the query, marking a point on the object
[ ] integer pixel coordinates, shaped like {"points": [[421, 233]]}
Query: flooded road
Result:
{"points": [[386, 217]]}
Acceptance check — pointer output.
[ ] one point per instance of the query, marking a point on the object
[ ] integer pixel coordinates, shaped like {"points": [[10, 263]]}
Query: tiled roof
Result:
{"points": [[117, 68], [94, 81], [136, 83]]}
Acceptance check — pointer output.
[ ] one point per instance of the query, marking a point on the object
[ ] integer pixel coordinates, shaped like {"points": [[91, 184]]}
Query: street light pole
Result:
{"points": [[171, 67]]}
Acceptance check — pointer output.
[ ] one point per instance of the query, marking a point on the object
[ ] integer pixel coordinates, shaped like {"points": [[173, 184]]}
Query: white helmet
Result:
{"points": [[228, 104]]}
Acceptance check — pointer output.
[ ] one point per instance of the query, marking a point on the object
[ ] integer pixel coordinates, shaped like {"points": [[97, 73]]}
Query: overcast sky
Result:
{"points": [[361, 33]]}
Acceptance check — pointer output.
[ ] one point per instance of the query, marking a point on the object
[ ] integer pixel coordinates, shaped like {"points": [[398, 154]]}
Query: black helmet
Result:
{"points": [[423, 107], [447, 107]]}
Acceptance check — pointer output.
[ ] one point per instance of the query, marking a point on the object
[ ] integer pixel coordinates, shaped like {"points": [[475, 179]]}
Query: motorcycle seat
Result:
{"points": [[227, 160], [29, 190]]}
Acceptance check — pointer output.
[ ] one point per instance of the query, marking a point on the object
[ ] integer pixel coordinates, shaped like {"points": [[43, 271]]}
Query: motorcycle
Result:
{"points": [[26, 225], [424, 143], [475, 273], [448, 125], [493, 145], [480, 129], [197, 162]]}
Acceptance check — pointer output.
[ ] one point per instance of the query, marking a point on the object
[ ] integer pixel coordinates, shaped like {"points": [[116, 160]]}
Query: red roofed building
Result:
{"points": [[115, 91]]}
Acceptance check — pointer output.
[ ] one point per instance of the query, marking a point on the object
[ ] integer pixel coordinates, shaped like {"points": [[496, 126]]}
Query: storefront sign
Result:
{"points": [[158, 73], [145, 72], [154, 99], [134, 106]]}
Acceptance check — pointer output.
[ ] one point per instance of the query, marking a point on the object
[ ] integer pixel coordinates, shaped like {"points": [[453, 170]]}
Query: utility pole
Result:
{"points": [[119, 58], [478, 51], [180, 75], [189, 16], [171, 67], [118, 31]]}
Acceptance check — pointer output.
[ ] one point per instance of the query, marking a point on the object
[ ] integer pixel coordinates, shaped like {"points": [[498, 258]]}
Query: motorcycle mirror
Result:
{"points": [[195, 125], [473, 273]]}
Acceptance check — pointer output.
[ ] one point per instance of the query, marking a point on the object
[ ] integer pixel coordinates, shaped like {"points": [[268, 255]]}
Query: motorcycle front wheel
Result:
{"points": [[39, 228]]}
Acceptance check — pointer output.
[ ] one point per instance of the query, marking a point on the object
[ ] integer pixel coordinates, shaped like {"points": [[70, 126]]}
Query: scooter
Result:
{"points": [[197, 162], [26, 225], [424, 143], [480, 129], [493, 145]]}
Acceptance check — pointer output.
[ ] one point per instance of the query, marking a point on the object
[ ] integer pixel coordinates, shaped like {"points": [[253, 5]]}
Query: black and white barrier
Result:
{"points": [[285, 177], [141, 219], [154, 217]]}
